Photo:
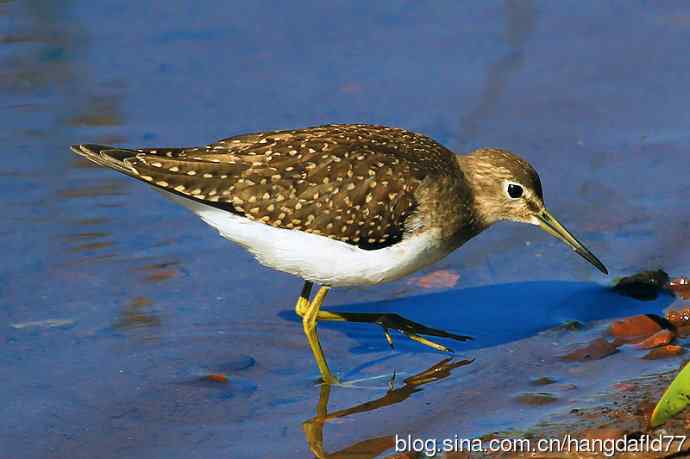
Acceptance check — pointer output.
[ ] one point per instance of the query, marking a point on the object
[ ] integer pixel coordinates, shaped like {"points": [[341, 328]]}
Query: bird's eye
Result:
{"points": [[514, 191]]}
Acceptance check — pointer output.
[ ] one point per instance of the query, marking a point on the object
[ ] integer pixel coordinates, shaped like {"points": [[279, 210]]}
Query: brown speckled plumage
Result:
{"points": [[360, 184], [392, 201]]}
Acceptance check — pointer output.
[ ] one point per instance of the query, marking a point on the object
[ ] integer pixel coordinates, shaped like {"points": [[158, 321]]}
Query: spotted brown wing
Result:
{"points": [[352, 183]]}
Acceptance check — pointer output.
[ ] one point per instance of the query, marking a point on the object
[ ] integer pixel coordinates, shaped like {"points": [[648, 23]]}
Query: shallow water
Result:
{"points": [[114, 302]]}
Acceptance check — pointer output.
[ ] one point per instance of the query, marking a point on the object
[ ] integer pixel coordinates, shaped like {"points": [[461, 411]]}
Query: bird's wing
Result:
{"points": [[352, 183]]}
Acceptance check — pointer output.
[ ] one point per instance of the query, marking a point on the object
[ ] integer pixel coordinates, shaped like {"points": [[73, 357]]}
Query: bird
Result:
{"points": [[344, 205]]}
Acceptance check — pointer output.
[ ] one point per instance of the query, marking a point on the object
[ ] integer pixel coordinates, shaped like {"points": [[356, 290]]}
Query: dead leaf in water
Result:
{"points": [[597, 349], [637, 328], [543, 381], [660, 338], [159, 272], [161, 276], [670, 350], [536, 398], [216, 377], [437, 279], [134, 315]]}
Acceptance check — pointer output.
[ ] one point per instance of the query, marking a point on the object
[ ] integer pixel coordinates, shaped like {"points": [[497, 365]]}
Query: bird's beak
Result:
{"points": [[548, 223]]}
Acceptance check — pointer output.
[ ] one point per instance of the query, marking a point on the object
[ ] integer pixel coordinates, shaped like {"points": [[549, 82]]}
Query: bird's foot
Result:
{"points": [[409, 328], [413, 330]]}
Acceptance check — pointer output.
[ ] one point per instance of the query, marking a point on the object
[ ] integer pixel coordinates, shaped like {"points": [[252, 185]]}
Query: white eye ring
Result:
{"points": [[514, 190]]}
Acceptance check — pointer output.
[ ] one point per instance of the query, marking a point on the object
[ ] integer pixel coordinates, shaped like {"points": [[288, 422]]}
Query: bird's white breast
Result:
{"points": [[317, 258]]}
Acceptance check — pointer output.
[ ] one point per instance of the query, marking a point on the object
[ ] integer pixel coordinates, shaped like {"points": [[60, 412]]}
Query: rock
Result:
{"points": [[536, 398], [670, 350], [645, 285], [543, 381], [660, 338], [597, 349], [636, 328]]}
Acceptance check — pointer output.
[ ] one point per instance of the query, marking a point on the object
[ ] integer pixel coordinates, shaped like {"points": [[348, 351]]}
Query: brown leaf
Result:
{"points": [[636, 328], [536, 398], [670, 350], [597, 349], [660, 338], [216, 377], [437, 279]]}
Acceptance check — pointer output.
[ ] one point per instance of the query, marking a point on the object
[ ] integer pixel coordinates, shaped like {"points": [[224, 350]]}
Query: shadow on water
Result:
{"points": [[494, 314]]}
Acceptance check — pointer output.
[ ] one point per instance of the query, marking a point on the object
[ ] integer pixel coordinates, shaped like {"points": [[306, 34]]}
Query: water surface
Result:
{"points": [[130, 300]]}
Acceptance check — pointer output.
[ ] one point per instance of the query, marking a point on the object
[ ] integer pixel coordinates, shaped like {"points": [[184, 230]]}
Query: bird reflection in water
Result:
{"points": [[371, 447]]}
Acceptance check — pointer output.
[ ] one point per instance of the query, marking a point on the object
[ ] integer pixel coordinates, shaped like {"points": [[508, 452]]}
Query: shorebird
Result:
{"points": [[344, 205]]}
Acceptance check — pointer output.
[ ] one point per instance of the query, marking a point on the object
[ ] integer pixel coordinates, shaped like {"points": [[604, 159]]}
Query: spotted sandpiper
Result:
{"points": [[344, 205]]}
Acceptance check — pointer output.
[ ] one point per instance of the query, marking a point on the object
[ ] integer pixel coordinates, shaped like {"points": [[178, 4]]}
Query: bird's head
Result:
{"points": [[506, 187]]}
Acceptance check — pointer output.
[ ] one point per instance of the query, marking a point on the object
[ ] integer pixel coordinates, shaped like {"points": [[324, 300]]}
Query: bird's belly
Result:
{"points": [[317, 258]]}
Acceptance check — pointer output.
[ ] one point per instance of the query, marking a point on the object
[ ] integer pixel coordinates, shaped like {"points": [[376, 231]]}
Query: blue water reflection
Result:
{"points": [[114, 302]]}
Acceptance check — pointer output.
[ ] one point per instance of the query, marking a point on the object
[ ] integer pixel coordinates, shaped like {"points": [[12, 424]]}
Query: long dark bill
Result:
{"points": [[548, 223]]}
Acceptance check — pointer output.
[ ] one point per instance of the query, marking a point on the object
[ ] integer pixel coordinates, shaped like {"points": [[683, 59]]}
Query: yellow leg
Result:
{"points": [[388, 321], [303, 301], [309, 311]]}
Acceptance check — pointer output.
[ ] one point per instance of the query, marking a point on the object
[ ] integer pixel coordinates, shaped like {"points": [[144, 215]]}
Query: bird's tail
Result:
{"points": [[105, 155]]}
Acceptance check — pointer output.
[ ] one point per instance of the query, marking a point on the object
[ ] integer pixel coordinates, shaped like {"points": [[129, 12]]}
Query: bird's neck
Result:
{"points": [[478, 176], [447, 205]]}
